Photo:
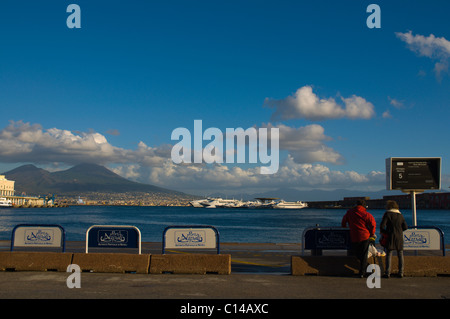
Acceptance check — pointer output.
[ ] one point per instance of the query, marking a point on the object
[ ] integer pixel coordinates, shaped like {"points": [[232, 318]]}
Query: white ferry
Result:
{"points": [[258, 203], [220, 202], [289, 205], [216, 202], [5, 203], [198, 203]]}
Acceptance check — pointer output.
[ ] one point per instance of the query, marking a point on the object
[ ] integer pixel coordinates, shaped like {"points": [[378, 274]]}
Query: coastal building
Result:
{"points": [[6, 187], [7, 191]]}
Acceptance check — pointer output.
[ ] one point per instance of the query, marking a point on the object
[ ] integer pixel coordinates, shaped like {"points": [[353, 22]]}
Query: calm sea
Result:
{"points": [[234, 225]]}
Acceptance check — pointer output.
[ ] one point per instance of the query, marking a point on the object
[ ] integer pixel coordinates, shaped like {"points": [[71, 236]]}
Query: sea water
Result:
{"points": [[234, 225]]}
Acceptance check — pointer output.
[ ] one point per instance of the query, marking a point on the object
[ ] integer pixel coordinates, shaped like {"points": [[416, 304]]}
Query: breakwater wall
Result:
{"points": [[423, 201]]}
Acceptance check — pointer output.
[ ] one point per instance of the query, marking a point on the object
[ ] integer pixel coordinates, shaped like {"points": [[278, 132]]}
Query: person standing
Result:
{"points": [[393, 225], [362, 226]]}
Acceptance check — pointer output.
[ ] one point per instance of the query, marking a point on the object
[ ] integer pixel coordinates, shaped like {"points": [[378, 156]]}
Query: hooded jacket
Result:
{"points": [[361, 223], [393, 224]]}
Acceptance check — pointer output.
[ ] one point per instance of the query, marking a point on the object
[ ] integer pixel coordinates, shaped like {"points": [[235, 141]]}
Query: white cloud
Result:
{"points": [[437, 49], [387, 114], [130, 171], [23, 142], [207, 179], [305, 104], [395, 103], [306, 144]]}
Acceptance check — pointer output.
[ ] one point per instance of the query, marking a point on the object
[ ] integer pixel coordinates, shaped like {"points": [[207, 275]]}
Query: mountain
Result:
{"points": [[78, 179]]}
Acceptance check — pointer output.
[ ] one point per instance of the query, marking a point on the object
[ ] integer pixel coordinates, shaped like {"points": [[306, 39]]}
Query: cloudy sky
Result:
{"points": [[343, 96]]}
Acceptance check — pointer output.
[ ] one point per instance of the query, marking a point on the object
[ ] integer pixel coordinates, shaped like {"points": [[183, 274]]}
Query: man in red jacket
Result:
{"points": [[362, 226]]}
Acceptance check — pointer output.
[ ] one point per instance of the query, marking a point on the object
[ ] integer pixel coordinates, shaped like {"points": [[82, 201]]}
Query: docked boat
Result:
{"points": [[220, 202], [265, 202], [251, 204], [217, 202], [5, 203], [198, 203], [289, 205], [233, 204]]}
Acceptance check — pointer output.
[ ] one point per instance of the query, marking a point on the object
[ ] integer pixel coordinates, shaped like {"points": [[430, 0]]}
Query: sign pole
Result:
{"points": [[413, 207], [414, 211]]}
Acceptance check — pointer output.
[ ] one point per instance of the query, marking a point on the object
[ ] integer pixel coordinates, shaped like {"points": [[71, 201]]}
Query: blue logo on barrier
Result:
{"points": [[331, 239], [326, 238], [191, 238], [112, 237], [38, 237], [417, 239]]}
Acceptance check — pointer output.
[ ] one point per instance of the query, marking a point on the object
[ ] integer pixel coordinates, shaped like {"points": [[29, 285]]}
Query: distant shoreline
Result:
{"points": [[318, 207]]}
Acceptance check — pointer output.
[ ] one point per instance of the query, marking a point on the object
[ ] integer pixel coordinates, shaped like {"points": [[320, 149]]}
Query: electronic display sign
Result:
{"points": [[413, 173]]}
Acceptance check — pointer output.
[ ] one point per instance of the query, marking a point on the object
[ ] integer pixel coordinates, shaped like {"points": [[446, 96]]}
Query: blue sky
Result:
{"points": [[113, 91]]}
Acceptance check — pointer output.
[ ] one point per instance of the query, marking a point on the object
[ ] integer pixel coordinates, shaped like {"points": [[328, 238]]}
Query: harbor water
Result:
{"points": [[234, 224]]}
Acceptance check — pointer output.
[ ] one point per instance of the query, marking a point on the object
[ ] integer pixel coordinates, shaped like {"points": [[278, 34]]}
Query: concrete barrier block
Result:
{"points": [[191, 264], [422, 266], [34, 261], [112, 262], [415, 266], [299, 267], [324, 265]]}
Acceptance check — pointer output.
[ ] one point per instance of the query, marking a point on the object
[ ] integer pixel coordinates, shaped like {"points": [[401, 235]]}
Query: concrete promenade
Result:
{"points": [[258, 272], [52, 285]]}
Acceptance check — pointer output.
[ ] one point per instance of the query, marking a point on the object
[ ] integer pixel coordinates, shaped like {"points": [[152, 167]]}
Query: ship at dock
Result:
{"points": [[267, 203], [5, 203], [290, 205]]}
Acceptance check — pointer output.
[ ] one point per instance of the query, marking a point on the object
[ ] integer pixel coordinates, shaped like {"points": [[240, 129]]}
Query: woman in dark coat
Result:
{"points": [[393, 225]]}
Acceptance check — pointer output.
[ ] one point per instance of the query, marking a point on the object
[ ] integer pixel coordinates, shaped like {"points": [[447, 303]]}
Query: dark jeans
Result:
{"points": [[388, 261], [360, 250]]}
